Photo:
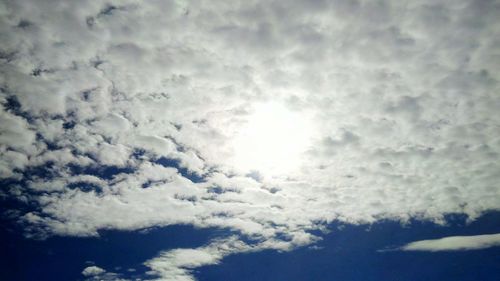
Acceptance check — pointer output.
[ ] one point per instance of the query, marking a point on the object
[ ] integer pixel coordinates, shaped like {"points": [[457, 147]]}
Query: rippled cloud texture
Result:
{"points": [[124, 115]]}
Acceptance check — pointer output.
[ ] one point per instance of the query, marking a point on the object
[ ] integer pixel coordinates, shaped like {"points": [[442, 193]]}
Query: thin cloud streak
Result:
{"points": [[454, 243]]}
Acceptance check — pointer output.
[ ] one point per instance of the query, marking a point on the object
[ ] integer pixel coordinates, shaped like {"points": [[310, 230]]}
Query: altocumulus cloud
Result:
{"points": [[123, 115]]}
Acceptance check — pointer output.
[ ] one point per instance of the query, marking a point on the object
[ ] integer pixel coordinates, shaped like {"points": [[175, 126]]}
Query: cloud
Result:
{"points": [[454, 243], [177, 264], [124, 116], [93, 271]]}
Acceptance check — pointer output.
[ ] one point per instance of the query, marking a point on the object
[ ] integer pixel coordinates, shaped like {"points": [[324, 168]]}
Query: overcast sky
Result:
{"points": [[269, 119]]}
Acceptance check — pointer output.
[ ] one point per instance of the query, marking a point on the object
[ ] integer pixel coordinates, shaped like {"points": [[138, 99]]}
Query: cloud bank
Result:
{"points": [[124, 115]]}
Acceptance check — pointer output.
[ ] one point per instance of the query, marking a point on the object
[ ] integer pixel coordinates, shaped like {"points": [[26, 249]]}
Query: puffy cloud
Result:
{"points": [[99, 99], [93, 271], [454, 243]]}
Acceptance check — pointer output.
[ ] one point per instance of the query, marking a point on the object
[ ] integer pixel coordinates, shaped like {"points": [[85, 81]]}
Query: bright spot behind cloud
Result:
{"points": [[272, 140]]}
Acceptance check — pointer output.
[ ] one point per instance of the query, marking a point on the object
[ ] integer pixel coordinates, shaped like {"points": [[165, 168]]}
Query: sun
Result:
{"points": [[272, 140]]}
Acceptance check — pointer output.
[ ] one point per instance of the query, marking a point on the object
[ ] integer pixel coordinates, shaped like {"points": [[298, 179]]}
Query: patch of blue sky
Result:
{"points": [[64, 258], [352, 253]]}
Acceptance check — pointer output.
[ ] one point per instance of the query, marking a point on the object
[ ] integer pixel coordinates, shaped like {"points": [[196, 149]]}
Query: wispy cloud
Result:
{"points": [[454, 243]]}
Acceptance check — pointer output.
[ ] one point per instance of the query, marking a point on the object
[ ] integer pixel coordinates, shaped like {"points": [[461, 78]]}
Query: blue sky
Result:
{"points": [[348, 253], [353, 254], [249, 140]]}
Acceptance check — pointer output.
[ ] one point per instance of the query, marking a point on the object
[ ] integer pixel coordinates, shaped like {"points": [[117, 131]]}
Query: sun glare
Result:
{"points": [[272, 140]]}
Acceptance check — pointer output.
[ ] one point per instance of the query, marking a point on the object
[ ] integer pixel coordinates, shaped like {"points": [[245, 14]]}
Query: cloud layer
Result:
{"points": [[124, 116]]}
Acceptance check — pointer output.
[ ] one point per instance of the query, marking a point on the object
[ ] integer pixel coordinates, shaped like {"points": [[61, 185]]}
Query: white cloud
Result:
{"points": [[176, 264], [454, 243], [16, 132], [404, 107], [92, 271], [95, 273]]}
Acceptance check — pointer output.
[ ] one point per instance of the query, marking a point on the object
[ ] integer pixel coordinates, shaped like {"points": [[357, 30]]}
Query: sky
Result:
{"points": [[250, 140]]}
